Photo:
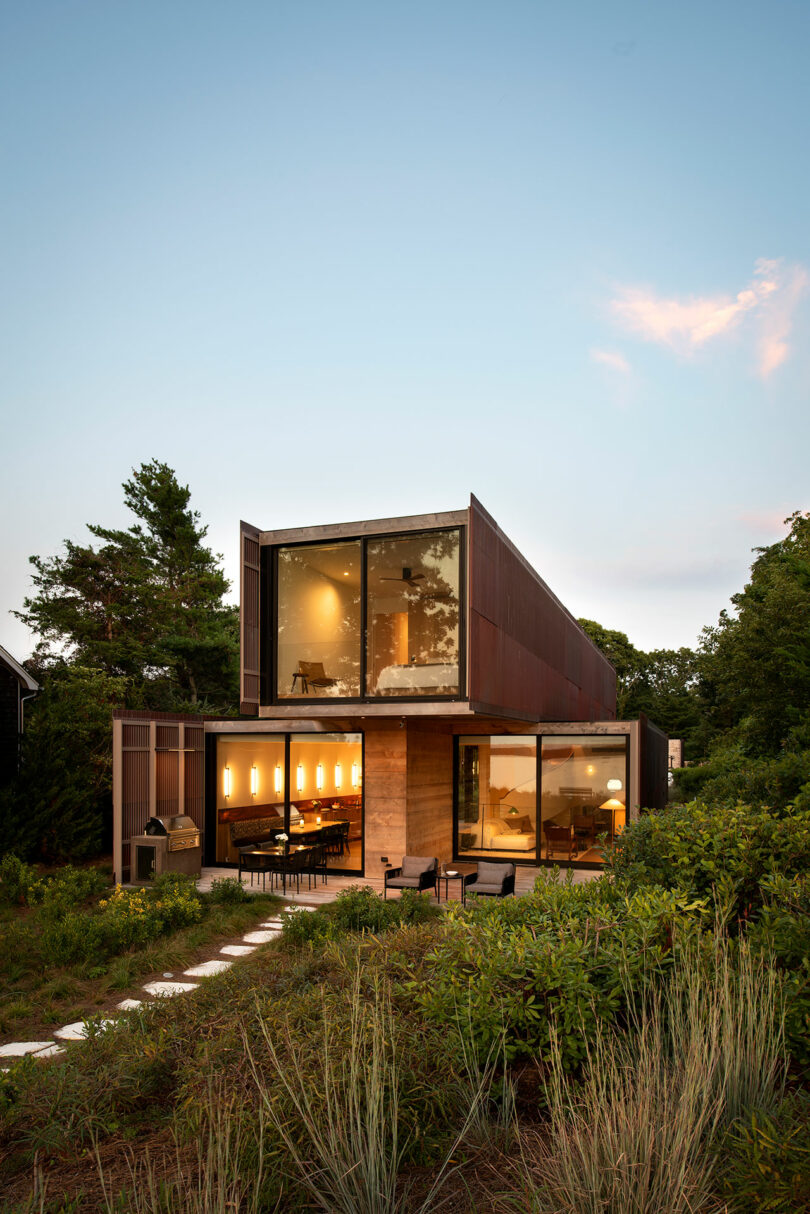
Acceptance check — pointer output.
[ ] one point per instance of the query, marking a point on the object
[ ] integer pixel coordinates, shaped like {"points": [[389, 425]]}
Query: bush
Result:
{"points": [[228, 892], [765, 1159], [358, 909], [18, 881], [705, 849]]}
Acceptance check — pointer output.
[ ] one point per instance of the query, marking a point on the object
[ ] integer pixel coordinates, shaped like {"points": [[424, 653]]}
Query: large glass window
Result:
{"points": [[584, 795], [497, 796], [249, 791], [412, 628], [319, 621], [316, 800]]}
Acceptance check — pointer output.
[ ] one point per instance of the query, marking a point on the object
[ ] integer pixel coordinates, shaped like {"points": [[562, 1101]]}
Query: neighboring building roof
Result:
{"points": [[17, 670]]}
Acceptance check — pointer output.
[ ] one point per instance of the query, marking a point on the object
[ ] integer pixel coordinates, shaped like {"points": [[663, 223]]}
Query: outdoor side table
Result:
{"points": [[447, 878]]}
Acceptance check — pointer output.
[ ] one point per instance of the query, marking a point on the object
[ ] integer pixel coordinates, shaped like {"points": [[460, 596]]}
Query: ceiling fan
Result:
{"points": [[408, 576]]}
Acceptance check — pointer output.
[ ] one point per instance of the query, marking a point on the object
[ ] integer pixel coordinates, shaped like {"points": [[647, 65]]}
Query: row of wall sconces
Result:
{"points": [[300, 778]]}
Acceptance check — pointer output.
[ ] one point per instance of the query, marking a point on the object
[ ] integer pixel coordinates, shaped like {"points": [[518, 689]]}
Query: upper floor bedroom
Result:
{"points": [[430, 609]]}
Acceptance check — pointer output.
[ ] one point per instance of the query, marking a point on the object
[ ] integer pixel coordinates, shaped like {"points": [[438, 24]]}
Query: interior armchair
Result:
{"points": [[415, 872], [311, 674]]}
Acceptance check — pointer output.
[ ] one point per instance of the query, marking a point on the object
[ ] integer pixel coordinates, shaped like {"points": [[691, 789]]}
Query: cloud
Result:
{"points": [[770, 300], [612, 359]]}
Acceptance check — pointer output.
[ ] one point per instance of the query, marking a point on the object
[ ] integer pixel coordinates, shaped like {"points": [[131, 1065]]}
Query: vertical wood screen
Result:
{"points": [[249, 607], [158, 769]]}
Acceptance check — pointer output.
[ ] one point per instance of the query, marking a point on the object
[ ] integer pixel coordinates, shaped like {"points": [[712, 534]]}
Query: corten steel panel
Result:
{"points": [[167, 783], [528, 655], [167, 736], [653, 747], [249, 609]]}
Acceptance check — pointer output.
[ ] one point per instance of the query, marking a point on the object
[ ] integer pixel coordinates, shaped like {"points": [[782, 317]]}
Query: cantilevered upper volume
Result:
{"points": [[431, 614]]}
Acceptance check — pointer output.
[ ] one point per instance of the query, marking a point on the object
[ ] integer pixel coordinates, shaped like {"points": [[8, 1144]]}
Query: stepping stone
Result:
{"points": [[169, 988], [207, 968], [129, 1005], [272, 923], [16, 1049], [51, 1051], [261, 937], [238, 950], [77, 1031], [294, 910]]}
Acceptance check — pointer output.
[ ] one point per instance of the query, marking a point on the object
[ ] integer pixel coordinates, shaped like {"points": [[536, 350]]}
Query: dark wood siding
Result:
{"points": [[249, 608], [527, 654], [9, 724], [654, 748]]}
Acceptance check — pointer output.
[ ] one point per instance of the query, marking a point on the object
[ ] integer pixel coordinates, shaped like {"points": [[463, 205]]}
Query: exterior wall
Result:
{"points": [[654, 760], [528, 657], [385, 793], [430, 790], [9, 724]]}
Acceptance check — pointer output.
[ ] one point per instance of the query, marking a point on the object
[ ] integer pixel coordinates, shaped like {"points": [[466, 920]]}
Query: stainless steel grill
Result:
{"points": [[179, 829]]}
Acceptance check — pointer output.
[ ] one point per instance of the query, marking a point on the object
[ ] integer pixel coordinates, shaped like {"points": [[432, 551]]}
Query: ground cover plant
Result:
{"points": [[70, 945], [610, 1046]]}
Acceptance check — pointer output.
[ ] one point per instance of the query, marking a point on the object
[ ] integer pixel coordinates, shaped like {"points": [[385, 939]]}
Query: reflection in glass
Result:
{"points": [[497, 796], [413, 615], [319, 621], [580, 814], [322, 811]]}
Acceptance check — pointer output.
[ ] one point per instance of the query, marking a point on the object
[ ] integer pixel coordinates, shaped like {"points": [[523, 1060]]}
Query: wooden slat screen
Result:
{"points": [[249, 608]]}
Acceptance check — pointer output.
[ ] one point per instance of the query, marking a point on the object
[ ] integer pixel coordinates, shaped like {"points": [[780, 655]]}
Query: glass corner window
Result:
{"points": [[319, 621]]}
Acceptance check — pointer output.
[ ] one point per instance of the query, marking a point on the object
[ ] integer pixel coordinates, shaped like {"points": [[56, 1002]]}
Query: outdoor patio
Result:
{"points": [[319, 894]]}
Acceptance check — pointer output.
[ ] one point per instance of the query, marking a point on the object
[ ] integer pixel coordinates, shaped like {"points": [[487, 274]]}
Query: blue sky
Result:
{"points": [[334, 261]]}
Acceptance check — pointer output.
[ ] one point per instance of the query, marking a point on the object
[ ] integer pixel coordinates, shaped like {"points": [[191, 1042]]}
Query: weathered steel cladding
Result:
{"points": [[249, 607], [528, 655], [653, 748]]}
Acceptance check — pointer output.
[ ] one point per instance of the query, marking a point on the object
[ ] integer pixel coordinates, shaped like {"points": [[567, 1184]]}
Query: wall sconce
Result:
{"points": [[300, 777], [226, 782], [254, 780], [319, 777], [355, 775], [614, 785], [338, 775], [279, 778], [590, 769]]}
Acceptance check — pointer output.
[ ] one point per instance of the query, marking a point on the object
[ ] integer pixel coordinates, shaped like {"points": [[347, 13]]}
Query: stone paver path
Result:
{"points": [[168, 987]]}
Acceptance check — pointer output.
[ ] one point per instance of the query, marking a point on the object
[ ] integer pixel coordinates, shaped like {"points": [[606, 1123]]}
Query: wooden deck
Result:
{"points": [[320, 894]]}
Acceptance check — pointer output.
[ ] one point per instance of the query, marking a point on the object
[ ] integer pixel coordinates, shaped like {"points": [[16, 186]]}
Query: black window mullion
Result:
{"points": [[363, 618], [287, 778]]}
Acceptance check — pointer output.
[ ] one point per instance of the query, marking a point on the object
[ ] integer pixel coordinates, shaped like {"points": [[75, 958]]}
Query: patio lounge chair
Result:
{"points": [[415, 872], [493, 880]]}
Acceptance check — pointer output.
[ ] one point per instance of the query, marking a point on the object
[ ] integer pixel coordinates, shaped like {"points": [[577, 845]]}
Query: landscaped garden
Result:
{"points": [[71, 946], [638, 1043]]}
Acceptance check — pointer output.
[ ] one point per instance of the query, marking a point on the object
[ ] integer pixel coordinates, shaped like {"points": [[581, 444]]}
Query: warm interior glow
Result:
{"points": [[300, 777], [279, 782], [254, 780], [611, 803], [355, 775], [614, 785], [226, 782], [338, 775], [319, 777]]}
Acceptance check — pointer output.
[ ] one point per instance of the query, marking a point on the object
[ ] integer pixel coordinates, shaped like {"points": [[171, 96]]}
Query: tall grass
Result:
{"points": [[637, 1136]]}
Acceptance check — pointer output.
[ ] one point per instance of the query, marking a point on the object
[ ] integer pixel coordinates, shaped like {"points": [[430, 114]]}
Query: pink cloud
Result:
{"points": [[770, 299], [612, 359]]}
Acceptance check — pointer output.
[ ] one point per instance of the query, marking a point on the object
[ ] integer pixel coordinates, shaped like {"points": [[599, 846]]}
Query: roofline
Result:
{"points": [[379, 526], [18, 670]]}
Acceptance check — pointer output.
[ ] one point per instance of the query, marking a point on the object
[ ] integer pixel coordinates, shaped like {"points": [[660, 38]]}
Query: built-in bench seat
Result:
{"points": [[254, 830]]}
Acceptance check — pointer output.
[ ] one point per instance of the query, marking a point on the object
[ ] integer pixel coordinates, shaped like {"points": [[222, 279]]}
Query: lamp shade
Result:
{"points": [[611, 803]]}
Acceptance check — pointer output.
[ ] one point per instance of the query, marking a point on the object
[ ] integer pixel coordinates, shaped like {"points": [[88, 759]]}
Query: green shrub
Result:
{"points": [[765, 1159], [19, 882], [358, 909], [228, 892], [713, 849], [71, 887]]}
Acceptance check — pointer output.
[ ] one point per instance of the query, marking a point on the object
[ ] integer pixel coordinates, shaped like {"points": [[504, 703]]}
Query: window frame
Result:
{"points": [[271, 583]]}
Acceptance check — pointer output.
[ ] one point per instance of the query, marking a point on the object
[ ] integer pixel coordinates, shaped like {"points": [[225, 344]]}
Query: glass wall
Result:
{"points": [[413, 615], [249, 791], [318, 798], [584, 795], [326, 791], [497, 796], [318, 621]]}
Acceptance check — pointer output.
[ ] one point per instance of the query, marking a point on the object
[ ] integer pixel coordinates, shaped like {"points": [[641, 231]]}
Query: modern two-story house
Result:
{"points": [[415, 678]]}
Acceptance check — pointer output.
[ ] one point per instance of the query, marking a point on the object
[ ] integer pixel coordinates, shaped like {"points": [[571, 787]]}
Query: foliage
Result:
{"points": [[358, 909], [549, 967], [707, 850], [755, 664], [17, 880], [60, 804], [228, 891], [146, 605], [765, 1158]]}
